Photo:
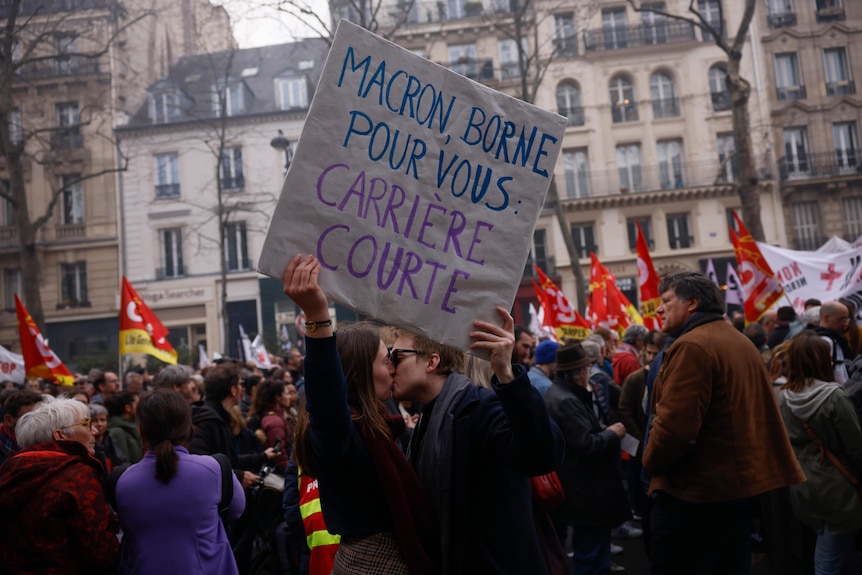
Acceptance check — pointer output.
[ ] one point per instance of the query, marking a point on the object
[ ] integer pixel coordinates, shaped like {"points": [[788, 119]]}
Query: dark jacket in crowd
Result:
{"points": [[213, 434], [590, 472]]}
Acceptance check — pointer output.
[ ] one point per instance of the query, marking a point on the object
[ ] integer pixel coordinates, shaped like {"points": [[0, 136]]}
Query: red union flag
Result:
{"points": [[560, 315], [759, 286], [39, 360], [140, 329], [619, 313], [648, 281]]}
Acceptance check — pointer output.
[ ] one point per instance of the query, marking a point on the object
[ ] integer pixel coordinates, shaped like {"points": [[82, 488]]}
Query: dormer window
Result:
{"points": [[164, 107], [231, 98], [292, 92]]}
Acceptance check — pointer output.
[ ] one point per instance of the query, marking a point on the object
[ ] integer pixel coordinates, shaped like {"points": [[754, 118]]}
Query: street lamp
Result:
{"points": [[281, 143]]}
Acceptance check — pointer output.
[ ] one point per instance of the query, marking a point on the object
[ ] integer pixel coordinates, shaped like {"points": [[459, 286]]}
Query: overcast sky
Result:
{"points": [[256, 26]]}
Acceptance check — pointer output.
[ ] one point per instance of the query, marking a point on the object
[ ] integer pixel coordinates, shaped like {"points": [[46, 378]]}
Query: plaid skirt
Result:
{"points": [[372, 555]]}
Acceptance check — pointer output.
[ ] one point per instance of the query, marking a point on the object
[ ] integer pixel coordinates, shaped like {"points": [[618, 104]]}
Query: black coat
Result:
{"points": [[590, 473], [213, 434]]}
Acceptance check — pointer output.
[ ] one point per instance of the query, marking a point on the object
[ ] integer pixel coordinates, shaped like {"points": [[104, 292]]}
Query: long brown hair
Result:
{"points": [[165, 419], [808, 357], [358, 345]]}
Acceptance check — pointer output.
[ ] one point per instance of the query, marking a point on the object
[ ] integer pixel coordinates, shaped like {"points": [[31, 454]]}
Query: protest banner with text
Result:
{"points": [[417, 188]]}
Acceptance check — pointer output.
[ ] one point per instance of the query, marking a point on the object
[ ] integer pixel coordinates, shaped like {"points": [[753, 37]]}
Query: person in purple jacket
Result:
{"points": [[168, 503]]}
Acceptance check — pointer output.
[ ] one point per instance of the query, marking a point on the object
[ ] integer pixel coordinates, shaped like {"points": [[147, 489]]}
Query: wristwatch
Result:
{"points": [[311, 326]]}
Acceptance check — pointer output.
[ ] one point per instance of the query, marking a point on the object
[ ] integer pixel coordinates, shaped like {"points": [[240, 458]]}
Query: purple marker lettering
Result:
{"points": [[477, 241], [413, 265], [323, 175], [428, 224], [373, 199], [350, 257], [322, 237], [391, 204], [451, 289], [412, 215], [454, 231], [437, 267], [382, 283]]}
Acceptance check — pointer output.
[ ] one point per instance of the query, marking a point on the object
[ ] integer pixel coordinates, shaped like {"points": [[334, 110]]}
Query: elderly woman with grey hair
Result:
{"points": [[55, 517], [179, 378], [106, 449]]}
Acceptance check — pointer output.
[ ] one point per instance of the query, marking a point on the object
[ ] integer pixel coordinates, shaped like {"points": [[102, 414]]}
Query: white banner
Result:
{"points": [[417, 188], [825, 276], [11, 366]]}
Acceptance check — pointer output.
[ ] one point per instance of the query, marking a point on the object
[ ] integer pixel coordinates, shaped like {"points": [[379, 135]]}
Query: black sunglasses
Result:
{"points": [[394, 355]]}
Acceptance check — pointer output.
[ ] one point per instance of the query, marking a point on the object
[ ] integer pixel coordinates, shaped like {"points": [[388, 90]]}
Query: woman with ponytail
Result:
{"points": [[168, 503]]}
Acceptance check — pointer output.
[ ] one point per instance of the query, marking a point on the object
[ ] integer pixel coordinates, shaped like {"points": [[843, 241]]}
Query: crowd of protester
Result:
{"points": [[382, 451]]}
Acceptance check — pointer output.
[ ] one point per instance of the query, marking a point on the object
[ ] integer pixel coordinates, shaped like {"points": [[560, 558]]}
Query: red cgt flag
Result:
{"points": [[39, 360], [140, 329], [559, 313], [619, 311], [759, 286], [648, 281]]}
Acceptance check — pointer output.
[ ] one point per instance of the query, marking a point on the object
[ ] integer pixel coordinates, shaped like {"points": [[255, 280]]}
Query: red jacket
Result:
{"points": [[625, 362], [55, 517]]}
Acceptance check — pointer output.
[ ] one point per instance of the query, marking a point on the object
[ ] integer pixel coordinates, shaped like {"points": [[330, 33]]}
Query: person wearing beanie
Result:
{"points": [[544, 365]]}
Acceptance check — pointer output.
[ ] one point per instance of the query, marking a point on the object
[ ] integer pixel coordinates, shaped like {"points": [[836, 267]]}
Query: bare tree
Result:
{"points": [[739, 90], [42, 40]]}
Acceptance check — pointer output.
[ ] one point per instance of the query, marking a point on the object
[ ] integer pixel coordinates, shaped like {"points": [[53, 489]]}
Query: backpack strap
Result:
{"points": [[111, 483], [226, 482]]}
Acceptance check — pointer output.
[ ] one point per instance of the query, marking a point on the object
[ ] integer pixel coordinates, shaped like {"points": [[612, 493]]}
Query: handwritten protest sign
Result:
{"points": [[417, 189]]}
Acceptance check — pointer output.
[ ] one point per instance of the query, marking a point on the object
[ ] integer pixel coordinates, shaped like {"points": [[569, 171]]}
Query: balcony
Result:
{"points": [[821, 165], [841, 88], [70, 231], [70, 303], [231, 184], [59, 67], [67, 139], [575, 115], [32, 8], [510, 71], [829, 13], [790, 92], [473, 69], [720, 101], [239, 265], [637, 35], [625, 111], [167, 190], [665, 108], [170, 272], [8, 234], [718, 26], [566, 46], [668, 176], [781, 19], [433, 11]]}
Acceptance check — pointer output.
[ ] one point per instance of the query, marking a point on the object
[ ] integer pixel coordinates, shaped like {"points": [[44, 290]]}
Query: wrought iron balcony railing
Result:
{"points": [[781, 19], [170, 272], [821, 165], [665, 108], [841, 88], [615, 38], [575, 115], [167, 190], [624, 112], [791, 92]]}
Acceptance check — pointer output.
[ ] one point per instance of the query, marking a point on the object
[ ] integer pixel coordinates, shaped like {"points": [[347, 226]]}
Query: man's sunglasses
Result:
{"points": [[395, 355]]}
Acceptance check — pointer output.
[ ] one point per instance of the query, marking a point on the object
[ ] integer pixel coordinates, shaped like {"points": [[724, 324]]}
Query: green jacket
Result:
{"points": [[125, 433], [827, 497]]}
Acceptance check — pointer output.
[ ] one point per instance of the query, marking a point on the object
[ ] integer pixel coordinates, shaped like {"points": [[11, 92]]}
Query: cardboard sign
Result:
{"points": [[417, 188]]}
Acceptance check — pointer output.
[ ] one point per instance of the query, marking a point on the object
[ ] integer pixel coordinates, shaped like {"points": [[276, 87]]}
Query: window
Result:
{"points": [[796, 151], [806, 226], [236, 248], [65, 62], [718, 88], [565, 39], [623, 105], [164, 107], [69, 121], [654, 25], [646, 228], [230, 98], [678, 231], [852, 218], [829, 10], [846, 139], [629, 168], [167, 176], [15, 128], [73, 285], [455, 9], [462, 60], [838, 82], [539, 254], [710, 10], [663, 95], [73, 199], [292, 93], [670, 164], [172, 254], [231, 169], [575, 168], [788, 83], [614, 28], [569, 103], [510, 66], [584, 238], [728, 164], [7, 217], [780, 13], [731, 221], [11, 286]]}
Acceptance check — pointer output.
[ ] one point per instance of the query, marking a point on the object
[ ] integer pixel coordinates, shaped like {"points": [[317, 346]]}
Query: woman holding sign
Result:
{"points": [[345, 438]]}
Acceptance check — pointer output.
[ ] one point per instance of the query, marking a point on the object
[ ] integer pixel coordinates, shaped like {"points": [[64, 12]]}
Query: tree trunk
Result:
{"points": [[574, 257], [747, 188], [27, 254]]}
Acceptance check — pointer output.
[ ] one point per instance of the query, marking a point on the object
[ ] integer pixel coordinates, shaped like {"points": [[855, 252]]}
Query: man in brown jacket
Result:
{"points": [[716, 438]]}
